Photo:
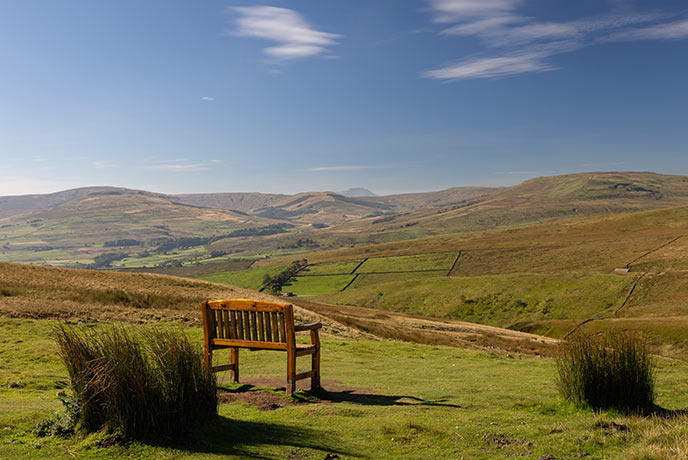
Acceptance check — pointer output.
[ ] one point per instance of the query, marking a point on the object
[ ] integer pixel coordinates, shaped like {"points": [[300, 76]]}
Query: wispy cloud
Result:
{"points": [[293, 36], [179, 167], [492, 67], [207, 99], [522, 44], [103, 165], [343, 168], [677, 30]]}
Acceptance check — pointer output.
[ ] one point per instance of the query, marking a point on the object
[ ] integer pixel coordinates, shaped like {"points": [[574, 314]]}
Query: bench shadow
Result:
{"points": [[236, 437], [368, 399], [344, 395], [659, 411]]}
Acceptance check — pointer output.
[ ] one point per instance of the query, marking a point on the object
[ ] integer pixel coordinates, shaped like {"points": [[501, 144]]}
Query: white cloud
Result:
{"points": [[447, 11], [492, 67], [207, 99], [103, 165], [671, 31], [180, 167], [293, 35], [523, 44], [342, 168]]}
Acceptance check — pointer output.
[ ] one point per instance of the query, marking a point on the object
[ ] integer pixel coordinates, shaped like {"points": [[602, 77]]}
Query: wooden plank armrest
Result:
{"points": [[307, 327]]}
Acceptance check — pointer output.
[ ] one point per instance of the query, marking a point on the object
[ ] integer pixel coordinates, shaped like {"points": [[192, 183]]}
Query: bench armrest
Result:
{"points": [[307, 327]]}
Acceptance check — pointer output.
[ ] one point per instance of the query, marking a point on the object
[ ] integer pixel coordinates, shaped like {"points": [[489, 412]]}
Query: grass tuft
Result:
{"points": [[151, 385], [614, 371]]}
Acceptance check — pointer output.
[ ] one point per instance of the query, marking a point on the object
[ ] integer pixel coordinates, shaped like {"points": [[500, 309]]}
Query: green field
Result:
{"points": [[249, 279], [341, 268], [415, 262], [317, 285], [366, 280], [388, 400], [504, 300]]}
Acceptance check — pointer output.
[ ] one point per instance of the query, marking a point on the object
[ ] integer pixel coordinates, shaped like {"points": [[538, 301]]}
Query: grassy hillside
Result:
{"points": [[113, 221], [384, 400], [545, 278], [537, 201], [71, 227]]}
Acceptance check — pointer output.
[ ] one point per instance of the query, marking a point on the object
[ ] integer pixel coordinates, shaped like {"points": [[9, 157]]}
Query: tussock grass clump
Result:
{"points": [[148, 385], [614, 370]]}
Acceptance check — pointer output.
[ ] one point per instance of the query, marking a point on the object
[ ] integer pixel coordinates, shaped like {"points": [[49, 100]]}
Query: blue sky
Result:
{"points": [[288, 96]]}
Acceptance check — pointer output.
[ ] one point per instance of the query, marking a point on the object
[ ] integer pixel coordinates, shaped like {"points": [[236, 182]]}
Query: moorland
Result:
{"points": [[442, 311]]}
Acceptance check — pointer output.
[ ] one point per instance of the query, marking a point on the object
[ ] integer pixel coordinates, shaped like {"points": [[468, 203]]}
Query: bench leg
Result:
{"points": [[315, 380], [235, 361], [291, 372]]}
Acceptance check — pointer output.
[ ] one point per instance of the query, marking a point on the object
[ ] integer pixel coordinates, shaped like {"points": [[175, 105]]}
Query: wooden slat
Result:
{"points": [[268, 326], [275, 327], [254, 325], [226, 324], [305, 351], [240, 325], [233, 325], [250, 344], [218, 324], [283, 330], [304, 375], [261, 326], [247, 325], [214, 328], [247, 305], [223, 367]]}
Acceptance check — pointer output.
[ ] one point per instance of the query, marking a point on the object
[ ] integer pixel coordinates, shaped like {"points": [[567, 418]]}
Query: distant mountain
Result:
{"points": [[241, 201], [357, 191], [21, 204]]}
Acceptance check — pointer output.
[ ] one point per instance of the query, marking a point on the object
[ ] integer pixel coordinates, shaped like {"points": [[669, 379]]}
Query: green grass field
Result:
{"points": [[388, 400], [415, 262], [341, 268], [503, 300], [366, 280], [249, 279], [317, 285]]}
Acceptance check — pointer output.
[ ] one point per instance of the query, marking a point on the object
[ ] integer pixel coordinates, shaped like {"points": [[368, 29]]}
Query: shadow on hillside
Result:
{"points": [[235, 437]]}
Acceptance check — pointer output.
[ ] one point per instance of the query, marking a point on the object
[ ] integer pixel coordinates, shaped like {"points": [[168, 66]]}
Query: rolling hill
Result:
{"points": [[73, 227], [544, 278]]}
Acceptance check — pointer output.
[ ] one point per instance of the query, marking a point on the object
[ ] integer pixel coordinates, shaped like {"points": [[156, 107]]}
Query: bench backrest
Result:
{"points": [[248, 323]]}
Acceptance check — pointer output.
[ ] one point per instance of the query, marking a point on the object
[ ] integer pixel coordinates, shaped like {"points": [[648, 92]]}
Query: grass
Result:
{"points": [[397, 400], [611, 371], [504, 300], [367, 280], [317, 285], [415, 262], [150, 385], [42, 292], [340, 268], [249, 279]]}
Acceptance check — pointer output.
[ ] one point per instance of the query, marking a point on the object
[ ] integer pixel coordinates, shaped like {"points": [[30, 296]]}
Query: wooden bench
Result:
{"points": [[259, 325]]}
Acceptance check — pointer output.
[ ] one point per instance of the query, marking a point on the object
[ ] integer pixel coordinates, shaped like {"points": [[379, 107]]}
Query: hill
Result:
{"points": [[73, 228], [545, 198], [357, 191], [539, 200], [23, 204], [96, 222], [545, 278], [28, 291]]}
